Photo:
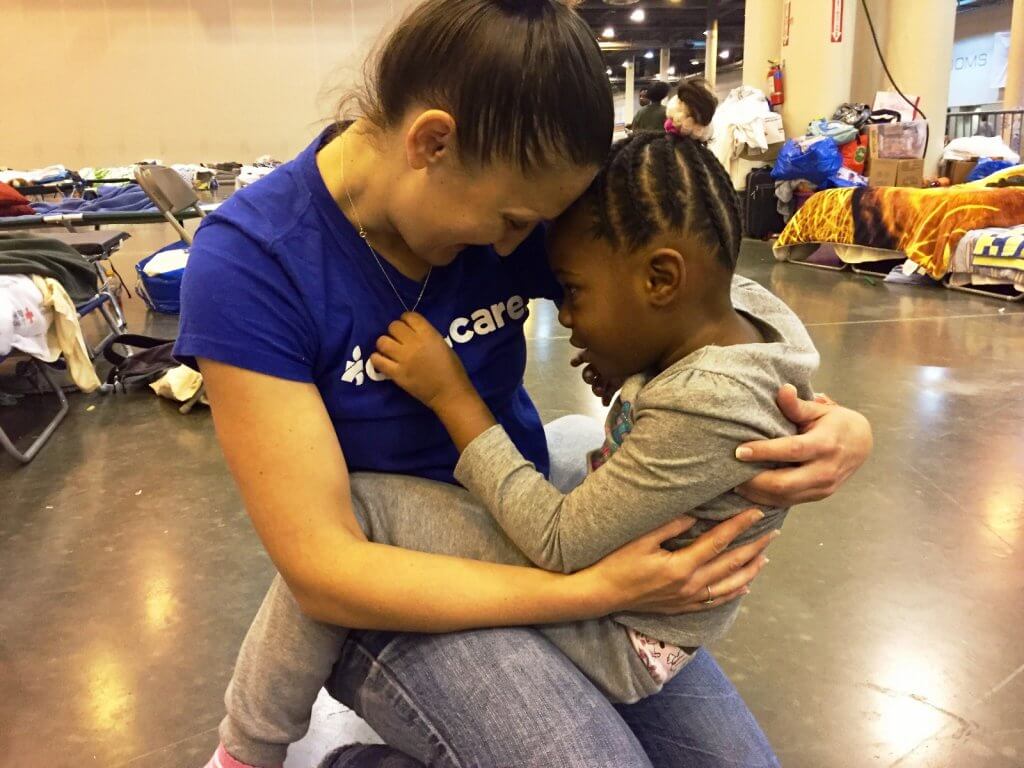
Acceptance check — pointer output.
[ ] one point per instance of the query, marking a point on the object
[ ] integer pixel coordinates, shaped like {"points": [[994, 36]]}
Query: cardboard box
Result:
{"points": [[898, 141], [776, 137], [958, 170], [881, 172], [886, 172], [910, 173]]}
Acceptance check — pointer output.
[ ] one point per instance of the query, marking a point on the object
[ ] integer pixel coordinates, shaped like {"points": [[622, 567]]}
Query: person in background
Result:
{"points": [[652, 116], [644, 98]]}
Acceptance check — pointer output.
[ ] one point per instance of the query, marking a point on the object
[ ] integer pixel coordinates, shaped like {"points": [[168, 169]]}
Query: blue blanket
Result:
{"points": [[128, 197]]}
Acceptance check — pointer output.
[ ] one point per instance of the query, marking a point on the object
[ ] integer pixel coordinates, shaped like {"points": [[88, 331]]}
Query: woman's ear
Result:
{"points": [[666, 276], [430, 137]]}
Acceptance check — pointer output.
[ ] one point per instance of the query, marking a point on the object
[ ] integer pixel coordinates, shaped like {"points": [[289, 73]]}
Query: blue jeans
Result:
{"points": [[506, 698]]}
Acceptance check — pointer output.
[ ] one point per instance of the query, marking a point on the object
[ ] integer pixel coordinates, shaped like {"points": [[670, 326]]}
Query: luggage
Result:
{"points": [[761, 217]]}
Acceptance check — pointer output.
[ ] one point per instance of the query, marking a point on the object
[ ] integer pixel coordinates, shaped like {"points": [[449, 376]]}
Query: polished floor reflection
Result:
{"points": [[886, 630]]}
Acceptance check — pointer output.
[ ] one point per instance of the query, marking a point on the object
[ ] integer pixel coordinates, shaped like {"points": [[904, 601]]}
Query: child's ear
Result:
{"points": [[666, 276]]}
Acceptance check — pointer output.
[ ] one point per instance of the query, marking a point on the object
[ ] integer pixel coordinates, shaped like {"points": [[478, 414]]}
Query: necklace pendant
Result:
{"points": [[362, 233]]}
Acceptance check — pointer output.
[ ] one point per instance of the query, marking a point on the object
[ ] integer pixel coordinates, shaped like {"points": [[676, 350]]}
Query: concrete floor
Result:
{"points": [[885, 632]]}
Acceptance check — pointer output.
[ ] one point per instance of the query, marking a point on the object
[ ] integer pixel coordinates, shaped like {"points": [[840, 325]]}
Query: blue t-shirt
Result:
{"points": [[279, 282]]}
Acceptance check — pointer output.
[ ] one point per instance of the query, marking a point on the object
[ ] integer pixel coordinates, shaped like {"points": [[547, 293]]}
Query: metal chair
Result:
{"points": [[171, 194], [45, 377]]}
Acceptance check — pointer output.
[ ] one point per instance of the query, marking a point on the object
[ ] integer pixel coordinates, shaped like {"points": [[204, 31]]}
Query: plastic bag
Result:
{"points": [[844, 177], [840, 132], [986, 167], [855, 154], [856, 115], [812, 158]]}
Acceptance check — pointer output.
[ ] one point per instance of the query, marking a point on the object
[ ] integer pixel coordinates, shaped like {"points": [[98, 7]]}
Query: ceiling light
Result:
{"points": [[609, 71], [638, 15], [671, 70], [706, 32], [649, 55], [724, 54], [609, 32], [695, 62], [625, 64]]}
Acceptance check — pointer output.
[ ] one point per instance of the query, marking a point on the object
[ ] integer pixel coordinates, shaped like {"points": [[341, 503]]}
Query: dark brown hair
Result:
{"points": [[657, 92], [701, 100], [523, 79]]}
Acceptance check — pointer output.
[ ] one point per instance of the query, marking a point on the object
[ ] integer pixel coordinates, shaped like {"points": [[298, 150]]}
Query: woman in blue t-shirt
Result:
{"points": [[482, 119]]}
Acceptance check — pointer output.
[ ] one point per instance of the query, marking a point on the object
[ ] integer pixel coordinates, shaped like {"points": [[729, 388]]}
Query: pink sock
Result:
{"points": [[221, 759]]}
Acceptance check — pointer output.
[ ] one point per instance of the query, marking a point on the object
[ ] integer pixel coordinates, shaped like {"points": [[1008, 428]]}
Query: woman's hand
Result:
{"points": [[643, 577], [415, 356], [601, 386], [833, 443]]}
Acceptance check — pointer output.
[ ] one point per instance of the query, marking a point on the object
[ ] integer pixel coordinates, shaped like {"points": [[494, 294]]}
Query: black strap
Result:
{"points": [[131, 340]]}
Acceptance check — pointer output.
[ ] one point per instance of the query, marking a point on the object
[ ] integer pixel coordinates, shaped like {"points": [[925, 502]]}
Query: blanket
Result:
{"points": [[128, 197], [29, 255], [925, 224]]}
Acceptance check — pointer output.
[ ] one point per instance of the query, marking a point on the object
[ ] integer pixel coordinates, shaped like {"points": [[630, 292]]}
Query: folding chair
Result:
{"points": [[171, 194], [99, 246], [45, 376]]}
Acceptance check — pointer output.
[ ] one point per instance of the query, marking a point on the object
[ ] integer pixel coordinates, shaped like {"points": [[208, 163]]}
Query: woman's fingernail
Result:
{"points": [[776, 533], [743, 453], [766, 561], [758, 515], [746, 590]]}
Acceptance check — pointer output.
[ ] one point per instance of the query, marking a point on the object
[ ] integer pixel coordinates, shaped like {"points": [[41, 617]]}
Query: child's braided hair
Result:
{"points": [[656, 182]]}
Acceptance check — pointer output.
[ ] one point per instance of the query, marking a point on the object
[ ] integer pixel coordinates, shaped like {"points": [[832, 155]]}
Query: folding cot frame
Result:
{"points": [[882, 263]]}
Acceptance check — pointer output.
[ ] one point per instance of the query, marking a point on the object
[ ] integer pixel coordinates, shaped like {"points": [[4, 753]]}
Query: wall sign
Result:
{"points": [[837, 21]]}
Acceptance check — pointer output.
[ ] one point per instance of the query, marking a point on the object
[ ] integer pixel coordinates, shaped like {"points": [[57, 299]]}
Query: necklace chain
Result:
{"points": [[362, 234]]}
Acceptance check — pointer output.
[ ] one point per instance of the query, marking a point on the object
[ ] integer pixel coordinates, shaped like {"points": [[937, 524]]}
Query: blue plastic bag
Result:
{"points": [[815, 158], [986, 168]]}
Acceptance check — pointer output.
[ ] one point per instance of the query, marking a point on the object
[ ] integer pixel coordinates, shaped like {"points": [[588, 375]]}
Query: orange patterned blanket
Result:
{"points": [[925, 224]]}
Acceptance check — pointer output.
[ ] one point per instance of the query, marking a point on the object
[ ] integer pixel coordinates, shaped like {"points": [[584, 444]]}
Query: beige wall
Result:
{"points": [[109, 83]]}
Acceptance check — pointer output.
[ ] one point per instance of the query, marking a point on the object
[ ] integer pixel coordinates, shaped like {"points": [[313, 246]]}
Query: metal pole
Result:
{"points": [[630, 98], [711, 54]]}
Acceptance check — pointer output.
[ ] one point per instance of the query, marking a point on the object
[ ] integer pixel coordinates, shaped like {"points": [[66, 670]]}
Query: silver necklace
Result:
{"points": [[362, 234]]}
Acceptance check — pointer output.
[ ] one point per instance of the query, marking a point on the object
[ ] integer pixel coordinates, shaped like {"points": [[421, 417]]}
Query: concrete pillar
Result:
{"points": [[818, 59], [867, 70], [916, 26], [711, 55], [1013, 96], [664, 63], [630, 93], [762, 40]]}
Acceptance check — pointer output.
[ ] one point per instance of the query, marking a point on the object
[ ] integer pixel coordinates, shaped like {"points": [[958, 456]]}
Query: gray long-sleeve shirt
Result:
{"points": [[678, 459]]}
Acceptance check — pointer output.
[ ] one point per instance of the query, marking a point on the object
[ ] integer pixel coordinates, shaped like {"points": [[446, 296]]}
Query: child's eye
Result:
{"points": [[570, 291], [513, 224]]}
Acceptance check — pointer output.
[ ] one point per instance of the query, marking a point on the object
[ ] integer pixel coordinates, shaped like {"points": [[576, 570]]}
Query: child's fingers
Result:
{"points": [[401, 330], [416, 321], [388, 346], [383, 365]]}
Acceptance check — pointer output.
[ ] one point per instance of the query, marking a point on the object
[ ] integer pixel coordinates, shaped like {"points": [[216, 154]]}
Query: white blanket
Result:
{"points": [[23, 319]]}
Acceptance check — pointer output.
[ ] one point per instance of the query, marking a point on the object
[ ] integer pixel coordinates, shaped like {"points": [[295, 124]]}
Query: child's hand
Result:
{"points": [[604, 388], [418, 359]]}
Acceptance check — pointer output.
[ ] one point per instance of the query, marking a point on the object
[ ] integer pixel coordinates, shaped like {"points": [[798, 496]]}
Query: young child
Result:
{"points": [[646, 260]]}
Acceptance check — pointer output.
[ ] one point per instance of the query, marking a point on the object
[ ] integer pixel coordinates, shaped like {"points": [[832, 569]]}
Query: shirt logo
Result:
{"points": [[461, 330]]}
